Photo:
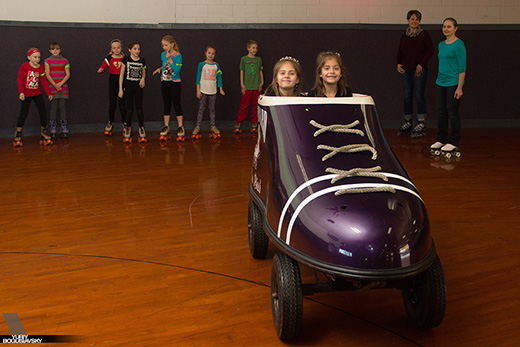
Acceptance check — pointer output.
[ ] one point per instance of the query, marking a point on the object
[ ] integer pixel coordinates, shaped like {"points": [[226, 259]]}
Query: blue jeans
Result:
{"points": [[414, 85], [448, 109]]}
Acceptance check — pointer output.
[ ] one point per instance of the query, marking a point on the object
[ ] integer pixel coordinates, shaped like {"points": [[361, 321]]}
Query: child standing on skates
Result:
{"points": [[131, 84], [209, 79], [171, 86], [112, 62], [30, 77], [57, 71], [330, 77], [450, 80], [287, 78], [251, 83]]}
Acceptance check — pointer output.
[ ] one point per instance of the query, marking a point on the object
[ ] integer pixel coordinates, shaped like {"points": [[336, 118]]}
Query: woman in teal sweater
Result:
{"points": [[450, 80]]}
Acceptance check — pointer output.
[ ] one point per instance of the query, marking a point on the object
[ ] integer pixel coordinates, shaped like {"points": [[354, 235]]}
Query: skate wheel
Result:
{"points": [[457, 154], [143, 140], [180, 139], [17, 144]]}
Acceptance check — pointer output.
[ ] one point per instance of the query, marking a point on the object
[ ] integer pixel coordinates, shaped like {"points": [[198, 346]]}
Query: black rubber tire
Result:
{"points": [[425, 297], [258, 240], [286, 296]]}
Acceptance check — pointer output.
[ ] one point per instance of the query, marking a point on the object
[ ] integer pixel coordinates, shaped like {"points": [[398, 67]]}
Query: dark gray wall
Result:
{"points": [[491, 92]]}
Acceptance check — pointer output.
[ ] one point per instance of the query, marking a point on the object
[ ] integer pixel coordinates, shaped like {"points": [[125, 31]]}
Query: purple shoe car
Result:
{"points": [[330, 194]]}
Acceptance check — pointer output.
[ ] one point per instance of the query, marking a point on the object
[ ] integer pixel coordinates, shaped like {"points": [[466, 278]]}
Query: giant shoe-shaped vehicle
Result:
{"points": [[328, 191]]}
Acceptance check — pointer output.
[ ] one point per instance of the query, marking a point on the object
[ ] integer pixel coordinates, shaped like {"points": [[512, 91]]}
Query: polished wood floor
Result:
{"points": [[148, 246]]}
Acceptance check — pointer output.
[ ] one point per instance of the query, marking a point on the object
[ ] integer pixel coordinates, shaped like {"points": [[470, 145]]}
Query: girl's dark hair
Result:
{"points": [[453, 20], [54, 44], [132, 44], [322, 58], [210, 46], [414, 12]]}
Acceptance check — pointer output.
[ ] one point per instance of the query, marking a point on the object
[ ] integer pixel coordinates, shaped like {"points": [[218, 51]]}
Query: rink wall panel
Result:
{"points": [[368, 51]]}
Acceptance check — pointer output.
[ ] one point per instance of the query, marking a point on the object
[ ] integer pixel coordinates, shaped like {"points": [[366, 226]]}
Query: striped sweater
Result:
{"points": [[57, 66]]}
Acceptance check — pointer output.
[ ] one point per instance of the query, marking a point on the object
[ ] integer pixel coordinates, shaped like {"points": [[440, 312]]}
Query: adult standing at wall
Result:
{"points": [[415, 49]]}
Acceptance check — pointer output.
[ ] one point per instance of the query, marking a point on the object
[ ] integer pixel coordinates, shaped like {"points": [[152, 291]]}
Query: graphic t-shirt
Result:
{"points": [[133, 69], [251, 67], [171, 71], [209, 77], [30, 79], [113, 64]]}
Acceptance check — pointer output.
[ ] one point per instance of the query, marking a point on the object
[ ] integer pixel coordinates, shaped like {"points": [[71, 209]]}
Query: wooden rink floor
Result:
{"points": [[148, 246]]}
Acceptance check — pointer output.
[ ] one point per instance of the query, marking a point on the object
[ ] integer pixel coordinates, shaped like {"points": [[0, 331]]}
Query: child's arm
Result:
{"points": [[121, 78], [66, 78], [142, 82], [197, 80], [156, 71], [48, 75], [45, 85], [103, 66], [261, 81], [219, 80], [176, 64], [21, 78], [242, 85]]}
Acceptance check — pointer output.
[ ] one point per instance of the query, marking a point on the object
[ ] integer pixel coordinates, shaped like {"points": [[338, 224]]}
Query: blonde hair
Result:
{"points": [[274, 84], [319, 88], [170, 39], [116, 41]]}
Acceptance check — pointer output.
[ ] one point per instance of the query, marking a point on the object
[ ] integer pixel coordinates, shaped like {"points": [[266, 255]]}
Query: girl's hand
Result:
{"points": [[199, 94], [222, 92], [21, 96], [141, 83], [155, 72], [400, 69], [100, 70], [120, 94], [50, 97], [418, 70], [458, 93]]}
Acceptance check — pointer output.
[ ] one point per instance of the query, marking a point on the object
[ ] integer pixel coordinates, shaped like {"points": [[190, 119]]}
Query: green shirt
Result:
{"points": [[251, 68]]}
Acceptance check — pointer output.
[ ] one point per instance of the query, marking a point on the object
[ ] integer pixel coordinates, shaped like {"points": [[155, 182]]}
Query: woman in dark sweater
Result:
{"points": [[415, 49]]}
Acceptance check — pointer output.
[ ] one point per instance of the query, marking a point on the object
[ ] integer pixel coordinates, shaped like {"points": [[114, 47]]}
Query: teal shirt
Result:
{"points": [[452, 62]]}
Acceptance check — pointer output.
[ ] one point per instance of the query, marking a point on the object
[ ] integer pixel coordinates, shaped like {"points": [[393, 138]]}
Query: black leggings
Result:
{"points": [[113, 98], [171, 94], [24, 111], [133, 93]]}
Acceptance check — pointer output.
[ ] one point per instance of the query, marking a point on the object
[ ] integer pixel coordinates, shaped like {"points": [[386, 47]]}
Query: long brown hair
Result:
{"points": [[319, 88], [296, 65]]}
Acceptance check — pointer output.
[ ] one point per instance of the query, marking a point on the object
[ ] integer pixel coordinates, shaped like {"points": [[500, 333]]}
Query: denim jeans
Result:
{"points": [[414, 85], [448, 112]]}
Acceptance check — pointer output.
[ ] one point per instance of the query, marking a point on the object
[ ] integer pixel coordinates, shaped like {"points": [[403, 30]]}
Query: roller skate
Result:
{"points": [[254, 128], [449, 151], [17, 141], [238, 130], [419, 130], [181, 134], [195, 135], [127, 135], [46, 139], [435, 149], [215, 133], [142, 135], [52, 128], [109, 129], [406, 128], [164, 135], [63, 129]]}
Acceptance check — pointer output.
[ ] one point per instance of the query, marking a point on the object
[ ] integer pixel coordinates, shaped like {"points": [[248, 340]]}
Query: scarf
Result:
{"points": [[411, 33]]}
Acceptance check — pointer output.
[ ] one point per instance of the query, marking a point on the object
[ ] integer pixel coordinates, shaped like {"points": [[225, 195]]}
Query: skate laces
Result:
{"points": [[419, 127], [353, 148]]}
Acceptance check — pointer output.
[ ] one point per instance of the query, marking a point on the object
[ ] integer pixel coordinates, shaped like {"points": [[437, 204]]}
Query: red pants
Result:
{"points": [[248, 97]]}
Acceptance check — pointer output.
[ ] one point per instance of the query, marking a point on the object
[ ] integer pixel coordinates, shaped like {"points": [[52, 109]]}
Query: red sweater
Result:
{"points": [[30, 79], [113, 64]]}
